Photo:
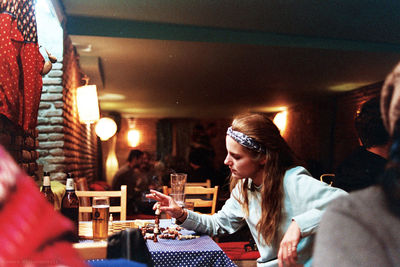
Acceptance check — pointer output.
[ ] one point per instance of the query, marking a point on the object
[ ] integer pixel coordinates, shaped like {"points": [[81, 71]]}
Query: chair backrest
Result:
{"points": [[207, 183], [198, 195], [121, 209], [82, 185], [327, 178]]}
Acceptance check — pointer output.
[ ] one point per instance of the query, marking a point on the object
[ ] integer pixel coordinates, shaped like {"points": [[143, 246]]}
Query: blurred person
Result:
{"points": [[130, 175], [147, 164], [32, 233], [362, 168], [200, 169], [362, 229], [277, 198]]}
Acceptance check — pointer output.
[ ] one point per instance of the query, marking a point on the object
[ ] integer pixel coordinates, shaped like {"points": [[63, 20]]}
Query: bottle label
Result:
{"points": [[46, 180], [70, 184]]}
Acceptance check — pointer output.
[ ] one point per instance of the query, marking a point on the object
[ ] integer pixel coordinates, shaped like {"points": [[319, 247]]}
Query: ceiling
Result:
{"points": [[208, 58]]}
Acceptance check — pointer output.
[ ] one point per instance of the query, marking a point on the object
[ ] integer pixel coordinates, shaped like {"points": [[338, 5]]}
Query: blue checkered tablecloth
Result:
{"points": [[202, 251]]}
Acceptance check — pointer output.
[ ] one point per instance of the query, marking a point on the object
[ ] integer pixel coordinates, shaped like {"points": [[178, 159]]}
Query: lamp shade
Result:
{"points": [[88, 104], [105, 128]]}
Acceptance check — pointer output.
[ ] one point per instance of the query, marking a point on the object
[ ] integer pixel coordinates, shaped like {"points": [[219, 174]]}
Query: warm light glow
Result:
{"points": [[133, 137], [106, 128], [88, 104], [280, 120], [111, 162]]}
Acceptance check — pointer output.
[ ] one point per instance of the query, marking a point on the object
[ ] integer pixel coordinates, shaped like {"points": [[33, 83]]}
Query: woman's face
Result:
{"points": [[241, 162]]}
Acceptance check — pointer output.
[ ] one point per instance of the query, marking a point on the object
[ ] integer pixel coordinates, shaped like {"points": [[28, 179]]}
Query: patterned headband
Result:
{"points": [[245, 140]]}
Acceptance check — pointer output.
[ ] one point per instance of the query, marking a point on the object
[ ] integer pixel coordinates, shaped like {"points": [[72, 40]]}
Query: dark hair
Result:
{"points": [[369, 124], [134, 154]]}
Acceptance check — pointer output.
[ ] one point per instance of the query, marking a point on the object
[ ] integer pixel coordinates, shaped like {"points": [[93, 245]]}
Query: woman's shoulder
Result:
{"points": [[298, 173]]}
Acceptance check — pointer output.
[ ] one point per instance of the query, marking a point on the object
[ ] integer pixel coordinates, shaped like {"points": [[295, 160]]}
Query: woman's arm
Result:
{"points": [[308, 199], [228, 220]]}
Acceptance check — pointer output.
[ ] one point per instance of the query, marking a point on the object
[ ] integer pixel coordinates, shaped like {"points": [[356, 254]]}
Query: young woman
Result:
{"points": [[279, 200]]}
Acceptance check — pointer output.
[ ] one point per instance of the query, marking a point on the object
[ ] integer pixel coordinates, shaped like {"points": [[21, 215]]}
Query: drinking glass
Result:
{"points": [[178, 181], [100, 214]]}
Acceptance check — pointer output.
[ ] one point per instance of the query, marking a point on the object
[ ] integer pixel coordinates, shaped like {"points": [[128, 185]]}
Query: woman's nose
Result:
{"points": [[227, 161]]}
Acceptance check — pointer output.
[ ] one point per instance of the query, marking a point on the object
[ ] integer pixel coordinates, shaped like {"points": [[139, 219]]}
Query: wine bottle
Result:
{"points": [[70, 205], [46, 188]]}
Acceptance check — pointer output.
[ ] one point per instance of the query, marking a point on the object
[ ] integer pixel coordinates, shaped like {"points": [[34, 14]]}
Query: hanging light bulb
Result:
{"points": [[106, 128]]}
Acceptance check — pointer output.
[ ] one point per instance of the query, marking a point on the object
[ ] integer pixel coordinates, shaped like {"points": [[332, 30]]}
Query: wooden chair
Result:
{"points": [[82, 185], [327, 178], [192, 191], [207, 184], [121, 209]]}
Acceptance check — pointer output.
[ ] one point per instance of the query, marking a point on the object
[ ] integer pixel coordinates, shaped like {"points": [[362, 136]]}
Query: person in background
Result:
{"points": [[277, 198], [31, 232], [200, 168], [362, 229], [129, 175], [362, 168]]}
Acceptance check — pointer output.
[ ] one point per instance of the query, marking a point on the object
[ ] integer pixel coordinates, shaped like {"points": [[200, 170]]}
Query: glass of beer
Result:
{"points": [[100, 214]]}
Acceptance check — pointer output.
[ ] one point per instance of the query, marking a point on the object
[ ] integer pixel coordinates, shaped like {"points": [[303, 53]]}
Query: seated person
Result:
{"points": [[200, 168], [276, 197], [362, 229], [362, 168], [129, 175]]}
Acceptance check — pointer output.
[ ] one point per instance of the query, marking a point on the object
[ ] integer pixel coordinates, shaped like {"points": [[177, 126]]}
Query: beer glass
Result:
{"points": [[178, 181], [100, 214]]}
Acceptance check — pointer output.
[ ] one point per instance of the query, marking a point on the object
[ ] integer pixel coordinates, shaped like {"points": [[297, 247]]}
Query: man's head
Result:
{"points": [[135, 158], [369, 124]]}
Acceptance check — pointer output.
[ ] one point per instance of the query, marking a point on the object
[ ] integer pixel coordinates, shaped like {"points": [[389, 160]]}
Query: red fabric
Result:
{"points": [[32, 64], [99, 186], [20, 63], [10, 93], [235, 251], [31, 232]]}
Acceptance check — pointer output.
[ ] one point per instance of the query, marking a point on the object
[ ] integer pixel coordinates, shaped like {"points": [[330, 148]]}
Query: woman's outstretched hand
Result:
{"points": [[167, 204], [287, 254]]}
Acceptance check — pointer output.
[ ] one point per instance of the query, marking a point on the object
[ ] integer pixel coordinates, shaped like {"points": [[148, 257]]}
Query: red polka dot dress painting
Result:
{"points": [[20, 63]]}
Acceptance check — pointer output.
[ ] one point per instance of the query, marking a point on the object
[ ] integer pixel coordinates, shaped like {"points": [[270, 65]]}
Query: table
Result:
{"points": [[202, 251]]}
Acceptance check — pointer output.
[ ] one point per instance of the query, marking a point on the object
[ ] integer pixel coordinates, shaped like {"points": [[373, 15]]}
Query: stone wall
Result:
{"points": [[65, 145]]}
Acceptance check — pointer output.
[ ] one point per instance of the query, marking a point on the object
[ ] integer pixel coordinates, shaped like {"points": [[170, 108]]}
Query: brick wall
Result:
{"points": [[322, 133], [20, 144], [148, 138], [309, 133], [345, 135], [65, 145]]}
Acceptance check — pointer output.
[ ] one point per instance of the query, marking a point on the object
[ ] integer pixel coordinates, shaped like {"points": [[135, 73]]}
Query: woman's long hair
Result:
{"points": [[279, 158]]}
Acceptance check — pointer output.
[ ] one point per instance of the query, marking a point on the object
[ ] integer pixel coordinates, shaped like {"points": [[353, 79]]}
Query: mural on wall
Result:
{"points": [[21, 63]]}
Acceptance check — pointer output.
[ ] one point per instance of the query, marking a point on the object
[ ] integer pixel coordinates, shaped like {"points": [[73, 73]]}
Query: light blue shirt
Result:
{"points": [[305, 200]]}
